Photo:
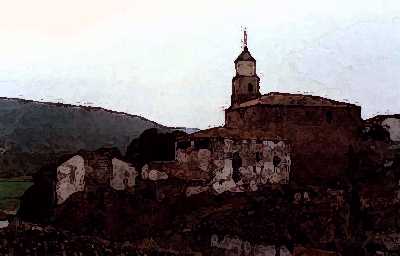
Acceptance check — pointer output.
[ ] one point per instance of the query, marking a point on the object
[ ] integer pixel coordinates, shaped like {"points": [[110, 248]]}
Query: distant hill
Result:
{"points": [[36, 133]]}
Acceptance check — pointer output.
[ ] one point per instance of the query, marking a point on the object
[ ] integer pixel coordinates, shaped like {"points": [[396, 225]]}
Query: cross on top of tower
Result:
{"points": [[245, 38], [245, 55]]}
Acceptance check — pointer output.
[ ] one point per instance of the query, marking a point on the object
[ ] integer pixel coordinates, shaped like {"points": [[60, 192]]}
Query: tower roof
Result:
{"points": [[245, 56], [288, 99]]}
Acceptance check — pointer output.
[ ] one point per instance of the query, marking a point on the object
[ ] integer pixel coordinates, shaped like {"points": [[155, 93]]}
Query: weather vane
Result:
{"points": [[244, 37]]}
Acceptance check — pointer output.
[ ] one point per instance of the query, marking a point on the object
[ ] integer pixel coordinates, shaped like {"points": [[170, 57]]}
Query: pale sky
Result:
{"points": [[172, 61]]}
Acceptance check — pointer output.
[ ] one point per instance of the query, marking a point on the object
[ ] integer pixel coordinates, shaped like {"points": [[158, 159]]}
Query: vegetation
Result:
{"points": [[10, 192], [33, 134]]}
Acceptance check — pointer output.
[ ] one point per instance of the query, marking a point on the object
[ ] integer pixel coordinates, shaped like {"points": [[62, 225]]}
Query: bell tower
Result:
{"points": [[246, 83]]}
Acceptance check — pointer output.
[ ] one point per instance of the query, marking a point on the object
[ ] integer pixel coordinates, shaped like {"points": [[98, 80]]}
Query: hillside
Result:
{"points": [[35, 133]]}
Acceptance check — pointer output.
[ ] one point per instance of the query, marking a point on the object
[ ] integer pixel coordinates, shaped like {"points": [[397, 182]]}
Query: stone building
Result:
{"points": [[233, 161], [246, 83], [321, 132]]}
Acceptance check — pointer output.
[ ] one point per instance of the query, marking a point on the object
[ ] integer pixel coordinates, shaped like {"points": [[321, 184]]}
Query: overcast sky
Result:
{"points": [[172, 61]]}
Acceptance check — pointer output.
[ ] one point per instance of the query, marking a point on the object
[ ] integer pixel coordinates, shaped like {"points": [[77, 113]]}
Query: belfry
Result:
{"points": [[246, 83]]}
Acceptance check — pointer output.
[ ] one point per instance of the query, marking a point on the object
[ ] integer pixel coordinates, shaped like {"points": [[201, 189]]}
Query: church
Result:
{"points": [[306, 138]]}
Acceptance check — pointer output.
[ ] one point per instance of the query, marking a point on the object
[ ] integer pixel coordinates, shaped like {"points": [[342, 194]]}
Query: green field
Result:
{"points": [[10, 191]]}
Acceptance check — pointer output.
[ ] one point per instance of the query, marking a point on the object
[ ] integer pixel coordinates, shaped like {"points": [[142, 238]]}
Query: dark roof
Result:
{"points": [[237, 134], [245, 55], [288, 99]]}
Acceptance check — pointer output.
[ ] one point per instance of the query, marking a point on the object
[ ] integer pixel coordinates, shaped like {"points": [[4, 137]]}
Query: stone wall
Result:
{"points": [[300, 251], [284, 116], [320, 136], [235, 246], [123, 175], [383, 127], [98, 170], [392, 125], [240, 88], [80, 174], [70, 178], [236, 165]]}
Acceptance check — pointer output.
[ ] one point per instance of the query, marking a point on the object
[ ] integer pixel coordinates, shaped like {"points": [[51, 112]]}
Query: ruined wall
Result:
{"points": [[80, 174], [70, 178], [237, 166], [123, 175], [320, 136], [235, 246], [300, 251], [392, 125], [153, 174], [98, 169]]}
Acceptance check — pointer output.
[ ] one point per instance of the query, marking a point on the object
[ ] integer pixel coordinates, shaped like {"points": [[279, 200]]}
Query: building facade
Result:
{"points": [[321, 132]]}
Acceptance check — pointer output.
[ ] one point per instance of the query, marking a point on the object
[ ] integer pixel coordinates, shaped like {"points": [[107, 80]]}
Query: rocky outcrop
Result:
{"points": [[256, 223]]}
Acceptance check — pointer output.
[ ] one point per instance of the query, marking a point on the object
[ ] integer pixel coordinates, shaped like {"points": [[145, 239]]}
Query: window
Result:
{"points": [[202, 144], [329, 117], [276, 161], [241, 113], [250, 87], [236, 164], [183, 144], [258, 156]]}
